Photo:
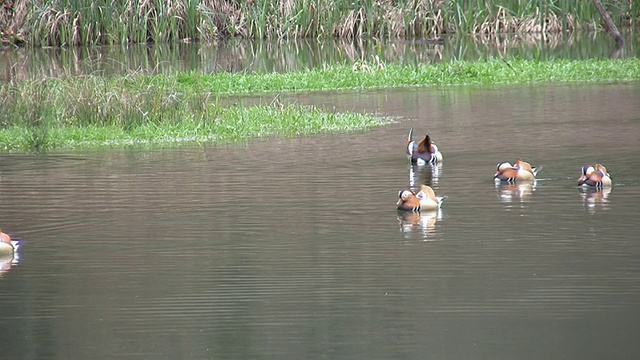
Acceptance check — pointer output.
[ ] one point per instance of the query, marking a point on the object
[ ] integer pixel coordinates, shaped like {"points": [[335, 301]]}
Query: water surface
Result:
{"points": [[296, 55], [293, 249]]}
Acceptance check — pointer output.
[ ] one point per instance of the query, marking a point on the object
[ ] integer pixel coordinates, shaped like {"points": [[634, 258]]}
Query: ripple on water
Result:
{"points": [[294, 248]]}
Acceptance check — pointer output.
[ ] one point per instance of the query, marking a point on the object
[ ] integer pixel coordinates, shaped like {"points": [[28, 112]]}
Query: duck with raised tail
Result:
{"points": [[424, 151], [595, 176], [521, 171], [424, 200]]}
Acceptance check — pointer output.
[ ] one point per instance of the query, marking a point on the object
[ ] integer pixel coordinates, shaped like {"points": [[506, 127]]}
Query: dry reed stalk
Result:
{"points": [[76, 38], [345, 28], [554, 23], [312, 23], [19, 13], [396, 20], [571, 26], [286, 8], [438, 24]]}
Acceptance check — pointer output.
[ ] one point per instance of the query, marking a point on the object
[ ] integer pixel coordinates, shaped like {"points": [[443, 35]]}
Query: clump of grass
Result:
{"points": [[28, 108], [75, 22], [231, 124], [94, 111]]}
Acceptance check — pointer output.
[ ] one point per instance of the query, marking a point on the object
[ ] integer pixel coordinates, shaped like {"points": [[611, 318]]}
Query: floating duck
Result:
{"points": [[521, 171], [595, 176], [424, 151], [424, 200], [8, 246]]}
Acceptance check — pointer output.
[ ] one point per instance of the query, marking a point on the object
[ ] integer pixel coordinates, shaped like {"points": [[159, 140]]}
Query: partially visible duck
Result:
{"points": [[424, 200], [521, 171], [7, 246], [595, 176], [424, 151]]}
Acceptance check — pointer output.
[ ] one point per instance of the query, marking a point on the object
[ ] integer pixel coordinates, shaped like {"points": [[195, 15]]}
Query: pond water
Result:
{"points": [[241, 55], [293, 248]]}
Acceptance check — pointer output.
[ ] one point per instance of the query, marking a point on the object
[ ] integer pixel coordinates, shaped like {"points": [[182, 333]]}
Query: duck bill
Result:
{"points": [[582, 179]]}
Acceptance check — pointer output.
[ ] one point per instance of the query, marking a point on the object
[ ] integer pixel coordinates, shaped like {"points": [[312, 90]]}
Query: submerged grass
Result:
{"points": [[91, 111]]}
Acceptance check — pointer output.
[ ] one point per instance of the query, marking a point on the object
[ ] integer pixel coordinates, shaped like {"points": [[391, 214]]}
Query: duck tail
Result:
{"points": [[536, 170], [16, 244], [428, 191], [410, 136]]}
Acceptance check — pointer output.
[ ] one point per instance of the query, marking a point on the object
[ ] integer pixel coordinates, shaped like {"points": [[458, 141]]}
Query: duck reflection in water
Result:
{"points": [[595, 199], [428, 174], [510, 192], [422, 223]]}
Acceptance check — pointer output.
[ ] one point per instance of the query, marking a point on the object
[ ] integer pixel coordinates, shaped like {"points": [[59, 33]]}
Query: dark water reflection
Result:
{"points": [[239, 55], [293, 248]]}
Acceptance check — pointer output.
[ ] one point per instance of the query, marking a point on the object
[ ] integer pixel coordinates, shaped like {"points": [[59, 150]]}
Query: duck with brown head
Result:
{"points": [[595, 176], [521, 171], [424, 200]]}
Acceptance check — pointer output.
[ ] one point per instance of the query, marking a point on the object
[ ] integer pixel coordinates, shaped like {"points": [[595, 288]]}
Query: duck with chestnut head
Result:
{"points": [[594, 176], [519, 172], [424, 200]]}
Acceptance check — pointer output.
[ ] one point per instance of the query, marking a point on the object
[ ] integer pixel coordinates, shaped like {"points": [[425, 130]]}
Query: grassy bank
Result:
{"points": [[373, 75], [75, 22], [95, 111]]}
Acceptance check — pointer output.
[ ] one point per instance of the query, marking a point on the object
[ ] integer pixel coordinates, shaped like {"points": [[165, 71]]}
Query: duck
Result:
{"points": [[594, 176], [424, 200], [423, 152], [7, 245], [520, 171]]}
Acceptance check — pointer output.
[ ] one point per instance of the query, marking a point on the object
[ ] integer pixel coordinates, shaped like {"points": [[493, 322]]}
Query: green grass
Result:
{"points": [[493, 71], [227, 125], [93, 111]]}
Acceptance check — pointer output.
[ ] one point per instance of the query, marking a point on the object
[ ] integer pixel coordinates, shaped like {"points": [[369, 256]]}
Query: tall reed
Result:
{"points": [[29, 108], [76, 22]]}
